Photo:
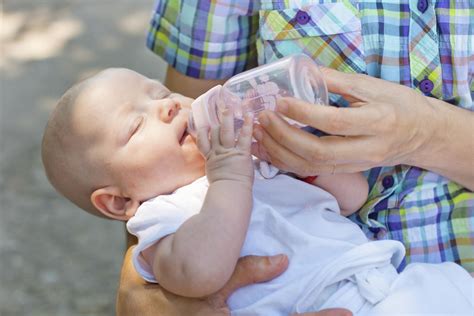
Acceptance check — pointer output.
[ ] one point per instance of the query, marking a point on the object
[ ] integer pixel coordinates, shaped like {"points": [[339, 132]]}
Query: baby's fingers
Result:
{"points": [[245, 136], [215, 137], [202, 141], [227, 135]]}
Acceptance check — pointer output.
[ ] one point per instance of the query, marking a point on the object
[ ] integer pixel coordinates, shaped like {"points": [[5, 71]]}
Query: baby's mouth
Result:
{"points": [[183, 137]]}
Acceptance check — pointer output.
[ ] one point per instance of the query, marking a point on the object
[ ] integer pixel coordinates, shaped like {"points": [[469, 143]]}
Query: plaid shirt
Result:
{"points": [[427, 45]]}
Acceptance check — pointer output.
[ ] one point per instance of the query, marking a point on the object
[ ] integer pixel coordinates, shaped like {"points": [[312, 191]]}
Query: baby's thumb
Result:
{"points": [[250, 270]]}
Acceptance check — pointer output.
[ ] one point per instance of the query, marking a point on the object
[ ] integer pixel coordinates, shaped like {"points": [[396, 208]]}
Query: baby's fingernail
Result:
{"points": [[282, 106], [257, 133]]}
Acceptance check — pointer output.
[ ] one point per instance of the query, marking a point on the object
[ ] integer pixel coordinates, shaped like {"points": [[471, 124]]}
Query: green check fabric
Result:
{"points": [[427, 45]]}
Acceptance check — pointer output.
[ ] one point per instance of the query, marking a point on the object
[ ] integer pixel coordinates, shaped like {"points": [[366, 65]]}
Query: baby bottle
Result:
{"points": [[258, 89]]}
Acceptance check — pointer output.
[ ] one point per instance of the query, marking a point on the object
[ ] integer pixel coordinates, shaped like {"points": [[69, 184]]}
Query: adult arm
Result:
{"points": [[349, 189], [188, 86], [386, 124], [136, 297]]}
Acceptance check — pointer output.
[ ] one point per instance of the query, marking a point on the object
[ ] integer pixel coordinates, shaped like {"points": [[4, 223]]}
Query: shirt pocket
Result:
{"points": [[328, 31]]}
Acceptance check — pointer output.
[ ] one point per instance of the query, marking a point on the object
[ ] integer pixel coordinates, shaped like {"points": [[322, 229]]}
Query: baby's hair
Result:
{"points": [[65, 155]]}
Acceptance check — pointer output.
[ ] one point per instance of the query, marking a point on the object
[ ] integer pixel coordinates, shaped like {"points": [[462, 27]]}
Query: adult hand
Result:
{"points": [[386, 124], [137, 297]]}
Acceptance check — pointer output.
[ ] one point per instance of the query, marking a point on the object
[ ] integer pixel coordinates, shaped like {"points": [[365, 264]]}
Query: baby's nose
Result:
{"points": [[169, 110]]}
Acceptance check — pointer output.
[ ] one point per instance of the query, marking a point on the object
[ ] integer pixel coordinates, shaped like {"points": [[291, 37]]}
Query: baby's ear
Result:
{"points": [[111, 203]]}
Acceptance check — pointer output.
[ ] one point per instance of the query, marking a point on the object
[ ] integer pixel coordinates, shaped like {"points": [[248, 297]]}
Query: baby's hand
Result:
{"points": [[227, 158]]}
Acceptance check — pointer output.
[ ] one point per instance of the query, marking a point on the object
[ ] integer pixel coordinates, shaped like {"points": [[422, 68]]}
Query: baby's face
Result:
{"points": [[139, 128]]}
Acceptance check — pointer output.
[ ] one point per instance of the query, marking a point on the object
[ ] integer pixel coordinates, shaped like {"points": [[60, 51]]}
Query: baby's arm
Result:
{"points": [[200, 257], [349, 189]]}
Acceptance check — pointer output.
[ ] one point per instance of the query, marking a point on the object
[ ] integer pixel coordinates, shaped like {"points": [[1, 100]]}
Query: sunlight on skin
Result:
{"points": [[23, 41]]}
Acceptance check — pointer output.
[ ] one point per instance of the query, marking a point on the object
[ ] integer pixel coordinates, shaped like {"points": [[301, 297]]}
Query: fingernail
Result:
{"points": [[275, 260], [257, 133], [263, 119], [282, 106]]}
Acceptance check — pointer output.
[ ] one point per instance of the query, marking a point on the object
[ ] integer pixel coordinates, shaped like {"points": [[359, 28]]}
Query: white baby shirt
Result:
{"points": [[332, 264]]}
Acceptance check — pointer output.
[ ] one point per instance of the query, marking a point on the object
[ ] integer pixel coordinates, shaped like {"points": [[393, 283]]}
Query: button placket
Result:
{"points": [[426, 85], [424, 63], [422, 5]]}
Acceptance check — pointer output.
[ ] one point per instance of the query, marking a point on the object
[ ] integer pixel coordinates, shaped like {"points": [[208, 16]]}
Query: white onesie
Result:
{"points": [[332, 264]]}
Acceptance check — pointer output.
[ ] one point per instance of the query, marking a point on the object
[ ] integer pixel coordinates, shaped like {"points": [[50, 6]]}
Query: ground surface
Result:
{"points": [[55, 260]]}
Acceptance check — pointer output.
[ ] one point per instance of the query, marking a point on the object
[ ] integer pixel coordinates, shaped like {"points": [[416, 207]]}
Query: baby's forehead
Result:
{"points": [[129, 79]]}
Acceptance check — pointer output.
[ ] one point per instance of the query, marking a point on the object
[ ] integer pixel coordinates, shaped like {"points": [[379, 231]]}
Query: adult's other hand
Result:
{"points": [[137, 297]]}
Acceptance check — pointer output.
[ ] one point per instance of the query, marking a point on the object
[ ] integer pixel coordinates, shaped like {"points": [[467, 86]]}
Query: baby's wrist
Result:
{"points": [[232, 181]]}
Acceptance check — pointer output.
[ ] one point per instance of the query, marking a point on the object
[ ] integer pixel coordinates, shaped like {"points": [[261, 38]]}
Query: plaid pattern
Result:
{"points": [[392, 40], [204, 39]]}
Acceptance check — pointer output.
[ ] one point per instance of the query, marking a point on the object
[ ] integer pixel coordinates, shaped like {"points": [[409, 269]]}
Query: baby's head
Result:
{"points": [[117, 139]]}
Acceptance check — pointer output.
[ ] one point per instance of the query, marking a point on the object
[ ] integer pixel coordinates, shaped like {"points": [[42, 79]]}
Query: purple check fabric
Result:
{"points": [[427, 45]]}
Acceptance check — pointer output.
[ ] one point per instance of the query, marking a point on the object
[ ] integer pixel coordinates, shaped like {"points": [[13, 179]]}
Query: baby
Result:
{"points": [[116, 146]]}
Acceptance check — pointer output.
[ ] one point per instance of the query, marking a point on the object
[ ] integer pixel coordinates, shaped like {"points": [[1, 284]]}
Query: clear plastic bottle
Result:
{"points": [[258, 89]]}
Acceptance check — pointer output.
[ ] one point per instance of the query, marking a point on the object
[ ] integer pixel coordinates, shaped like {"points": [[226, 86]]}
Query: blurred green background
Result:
{"points": [[55, 259]]}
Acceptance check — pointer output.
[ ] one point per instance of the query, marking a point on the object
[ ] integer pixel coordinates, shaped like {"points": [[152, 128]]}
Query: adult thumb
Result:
{"points": [[250, 270]]}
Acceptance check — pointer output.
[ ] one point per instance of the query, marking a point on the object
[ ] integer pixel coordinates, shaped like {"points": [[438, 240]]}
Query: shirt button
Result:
{"points": [[388, 182], [302, 17], [422, 5], [426, 85], [381, 233], [374, 230]]}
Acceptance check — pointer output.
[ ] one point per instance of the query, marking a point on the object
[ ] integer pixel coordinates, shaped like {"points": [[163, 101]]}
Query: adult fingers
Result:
{"points": [[352, 149], [306, 154], [286, 160], [227, 135], [215, 137], [245, 135], [353, 87], [351, 167], [283, 158], [328, 312], [250, 270], [290, 137], [330, 119]]}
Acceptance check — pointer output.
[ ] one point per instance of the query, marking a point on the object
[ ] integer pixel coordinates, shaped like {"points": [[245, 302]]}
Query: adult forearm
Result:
{"points": [[136, 297], [201, 256], [450, 149], [188, 86]]}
